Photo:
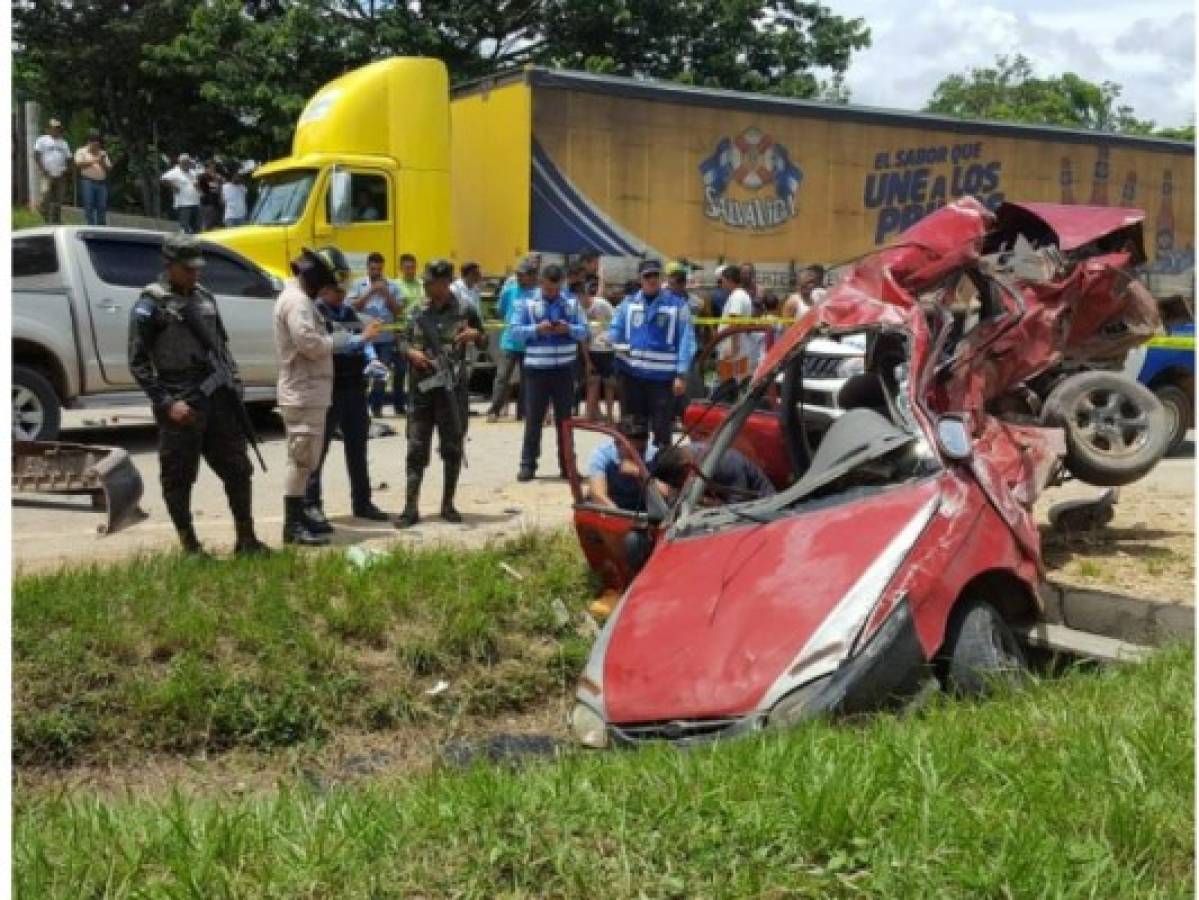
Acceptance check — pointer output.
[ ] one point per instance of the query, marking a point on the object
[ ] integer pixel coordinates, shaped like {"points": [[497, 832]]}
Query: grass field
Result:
{"points": [[1082, 787], [180, 656]]}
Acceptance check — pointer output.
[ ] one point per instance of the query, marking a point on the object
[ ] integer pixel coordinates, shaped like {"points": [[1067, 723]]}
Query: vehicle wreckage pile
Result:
{"points": [[900, 545]]}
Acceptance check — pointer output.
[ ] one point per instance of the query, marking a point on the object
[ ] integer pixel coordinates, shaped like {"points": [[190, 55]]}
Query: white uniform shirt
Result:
{"points": [[54, 153], [184, 185], [740, 305], [599, 317], [467, 296]]}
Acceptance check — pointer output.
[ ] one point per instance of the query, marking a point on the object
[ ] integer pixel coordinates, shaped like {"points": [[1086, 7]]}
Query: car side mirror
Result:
{"points": [[953, 437], [341, 210]]}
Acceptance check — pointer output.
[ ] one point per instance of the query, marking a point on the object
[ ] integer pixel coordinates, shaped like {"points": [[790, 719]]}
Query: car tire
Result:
{"points": [[1116, 429], [1179, 412], [980, 650], [36, 412]]}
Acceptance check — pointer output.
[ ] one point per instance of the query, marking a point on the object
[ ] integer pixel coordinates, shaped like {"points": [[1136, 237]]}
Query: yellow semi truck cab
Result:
{"points": [[369, 171]]}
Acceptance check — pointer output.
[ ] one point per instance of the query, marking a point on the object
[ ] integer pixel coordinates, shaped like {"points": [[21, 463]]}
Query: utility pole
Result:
{"points": [[32, 181]]}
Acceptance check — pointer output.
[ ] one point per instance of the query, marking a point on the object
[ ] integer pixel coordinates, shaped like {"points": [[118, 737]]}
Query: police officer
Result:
{"points": [[348, 411], [552, 327], [305, 348], [655, 325], [433, 405], [174, 323]]}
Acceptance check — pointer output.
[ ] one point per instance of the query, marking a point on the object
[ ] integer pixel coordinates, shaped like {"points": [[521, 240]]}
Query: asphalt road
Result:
{"points": [[493, 503]]}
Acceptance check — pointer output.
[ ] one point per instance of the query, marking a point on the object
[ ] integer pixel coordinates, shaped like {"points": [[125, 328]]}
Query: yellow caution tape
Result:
{"points": [[1173, 342]]}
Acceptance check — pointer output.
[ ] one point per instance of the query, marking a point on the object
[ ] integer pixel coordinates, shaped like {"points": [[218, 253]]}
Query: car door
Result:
{"points": [[114, 268], [245, 296], [365, 223], [602, 529], [714, 387]]}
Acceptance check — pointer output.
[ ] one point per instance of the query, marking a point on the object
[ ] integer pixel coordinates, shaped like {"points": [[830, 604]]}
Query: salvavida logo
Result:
{"points": [[754, 161]]}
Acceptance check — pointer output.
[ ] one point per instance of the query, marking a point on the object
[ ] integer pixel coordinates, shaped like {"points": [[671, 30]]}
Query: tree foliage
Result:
{"points": [[1011, 91], [233, 75]]}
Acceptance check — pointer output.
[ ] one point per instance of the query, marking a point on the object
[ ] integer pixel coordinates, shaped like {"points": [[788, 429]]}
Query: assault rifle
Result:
{"points": [[221, 376], [446, 374]]}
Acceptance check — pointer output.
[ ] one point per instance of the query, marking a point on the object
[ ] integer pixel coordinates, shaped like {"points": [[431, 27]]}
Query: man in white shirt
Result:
{"points": [[53, 159], [182, 182], [233, 195], [738, 355], [808, 293], [466, 288]]}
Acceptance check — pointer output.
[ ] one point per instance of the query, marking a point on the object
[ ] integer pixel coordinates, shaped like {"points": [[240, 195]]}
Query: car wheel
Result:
{"points": [[1179, 412], [1116, 429], [980, 650], [36, 414]]}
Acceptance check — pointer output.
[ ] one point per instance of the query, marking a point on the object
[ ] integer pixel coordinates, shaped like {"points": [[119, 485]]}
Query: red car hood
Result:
{"points": [[1075, 226], [713, 621]]}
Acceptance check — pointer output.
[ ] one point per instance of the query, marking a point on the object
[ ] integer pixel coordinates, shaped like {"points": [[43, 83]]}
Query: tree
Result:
{"points": [[97, 76], [1010, 91], [232, 76]]}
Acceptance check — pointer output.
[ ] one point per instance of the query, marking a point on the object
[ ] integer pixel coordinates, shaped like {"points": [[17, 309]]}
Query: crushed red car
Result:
{"points": [[899, 545]]}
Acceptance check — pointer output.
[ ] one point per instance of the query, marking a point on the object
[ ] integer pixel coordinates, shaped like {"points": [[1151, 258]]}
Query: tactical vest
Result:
{"points": [[176, 350], [449, 320]]}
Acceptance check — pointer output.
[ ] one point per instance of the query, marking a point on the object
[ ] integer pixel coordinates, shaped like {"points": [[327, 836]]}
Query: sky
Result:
{"points": [[1147, 46]]}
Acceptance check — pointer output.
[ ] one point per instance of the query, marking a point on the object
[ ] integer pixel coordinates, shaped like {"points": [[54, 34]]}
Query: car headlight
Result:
{"points": [[589, 728], [851, 365]]}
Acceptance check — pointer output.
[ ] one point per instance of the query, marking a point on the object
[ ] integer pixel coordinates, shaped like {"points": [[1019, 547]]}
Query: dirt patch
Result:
{"points": [[346, 758], [1148, 550]]}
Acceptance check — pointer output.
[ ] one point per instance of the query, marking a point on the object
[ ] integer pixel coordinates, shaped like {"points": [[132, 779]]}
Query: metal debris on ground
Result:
{"points": [[511, 571], [440, 688], [363, 558]]}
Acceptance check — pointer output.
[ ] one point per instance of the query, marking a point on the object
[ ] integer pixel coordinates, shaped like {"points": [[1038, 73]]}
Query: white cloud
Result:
{"points": [[1150, 52]]}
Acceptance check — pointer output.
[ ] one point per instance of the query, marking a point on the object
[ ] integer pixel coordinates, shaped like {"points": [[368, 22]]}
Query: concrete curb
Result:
{"points": [[1133, 620]]}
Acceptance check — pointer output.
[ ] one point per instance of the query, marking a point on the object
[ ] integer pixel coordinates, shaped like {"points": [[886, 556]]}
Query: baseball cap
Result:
{"points": [[552, 273], [650, 267], [526, 267], [183, 249], [183, 157], [677, 267], [53, 123], [439, 268]]}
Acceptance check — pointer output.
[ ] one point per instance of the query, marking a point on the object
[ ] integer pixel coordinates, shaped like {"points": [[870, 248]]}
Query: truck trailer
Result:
{"points": [[388, 158]]}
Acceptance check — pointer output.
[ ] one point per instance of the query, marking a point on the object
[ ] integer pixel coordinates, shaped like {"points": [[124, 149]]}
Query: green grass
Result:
{"points": [[174, 655], [23, 217], [1082, 787]]}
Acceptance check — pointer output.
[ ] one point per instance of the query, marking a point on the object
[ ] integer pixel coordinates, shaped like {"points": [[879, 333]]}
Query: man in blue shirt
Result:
{"points": [[551, 326], [655, 325], [377, 296], [613, 478], [519, 287]]}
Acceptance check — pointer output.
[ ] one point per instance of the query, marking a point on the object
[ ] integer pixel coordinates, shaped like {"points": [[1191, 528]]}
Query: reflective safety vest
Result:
{"points": [[658, 333], [549, 351]]}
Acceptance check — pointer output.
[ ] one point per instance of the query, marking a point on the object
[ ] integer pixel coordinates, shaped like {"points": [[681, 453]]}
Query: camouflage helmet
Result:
{"points": [[183, 249]]}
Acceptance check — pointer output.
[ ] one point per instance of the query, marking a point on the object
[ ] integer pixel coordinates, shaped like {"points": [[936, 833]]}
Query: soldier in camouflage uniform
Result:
{"points": [[456, 327], [170, 363]]}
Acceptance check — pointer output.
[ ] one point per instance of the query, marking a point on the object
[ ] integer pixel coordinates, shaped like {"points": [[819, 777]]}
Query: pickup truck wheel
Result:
{"points": [[36, 414], [1116, 429], [980, 650], [1178, 412]]}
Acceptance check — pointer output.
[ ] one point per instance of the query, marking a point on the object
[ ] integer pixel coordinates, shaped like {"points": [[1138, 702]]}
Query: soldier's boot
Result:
{"points": [[410, 516], [448, 513], [315, 520], [295, 531], [191, 543], [247, 541]]}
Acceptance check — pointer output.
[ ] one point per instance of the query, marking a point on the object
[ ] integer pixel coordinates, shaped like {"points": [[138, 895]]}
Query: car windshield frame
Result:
{"points": [[690, 515], [283, 197]]}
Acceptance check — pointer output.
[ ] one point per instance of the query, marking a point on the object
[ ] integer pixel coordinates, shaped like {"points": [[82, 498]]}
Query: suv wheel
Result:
{"points": [[36, 414], [1116, 429], [1178, 406]]}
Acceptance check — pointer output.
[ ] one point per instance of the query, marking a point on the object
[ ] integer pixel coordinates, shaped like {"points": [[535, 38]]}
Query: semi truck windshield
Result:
{"points": [[282, 197]]}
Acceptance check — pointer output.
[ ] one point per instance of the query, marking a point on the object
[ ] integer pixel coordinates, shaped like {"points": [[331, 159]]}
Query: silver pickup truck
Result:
{"points": [[72, 293]]}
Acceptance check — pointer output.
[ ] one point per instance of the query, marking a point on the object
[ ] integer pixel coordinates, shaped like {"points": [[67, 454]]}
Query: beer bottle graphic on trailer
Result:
{"points": [[1067, 180], [1165, 216], [1099, 184], [1129, 194]]}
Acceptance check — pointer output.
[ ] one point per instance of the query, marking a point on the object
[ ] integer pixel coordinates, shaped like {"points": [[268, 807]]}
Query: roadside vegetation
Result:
{"points": [[169, 655], [1078, 787]]}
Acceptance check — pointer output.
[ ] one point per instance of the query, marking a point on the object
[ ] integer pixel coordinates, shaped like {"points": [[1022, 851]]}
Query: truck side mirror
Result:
{"points": [[341, 206]]}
